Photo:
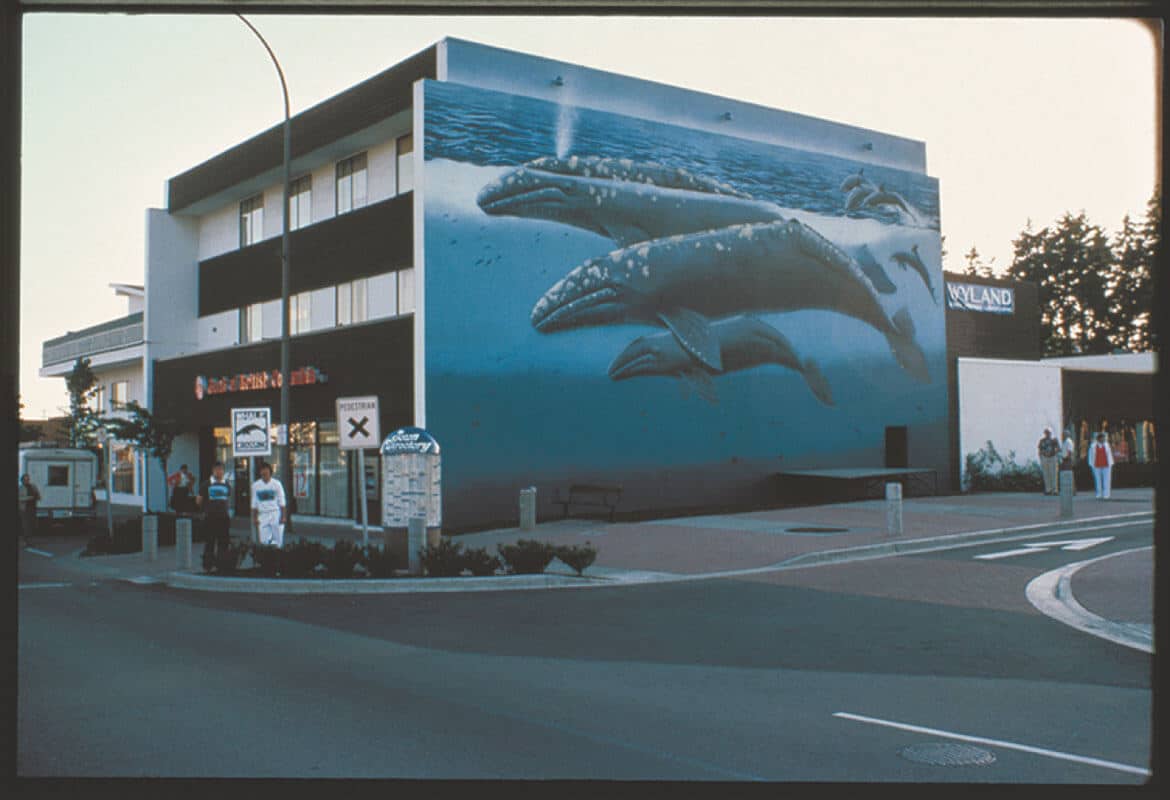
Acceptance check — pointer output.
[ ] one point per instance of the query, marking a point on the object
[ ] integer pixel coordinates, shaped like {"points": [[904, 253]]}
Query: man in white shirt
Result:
{"points": [[269, 509]]}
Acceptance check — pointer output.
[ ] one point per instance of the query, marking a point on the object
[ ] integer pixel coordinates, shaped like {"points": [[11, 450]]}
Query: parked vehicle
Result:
{"points": [[66, 477]]}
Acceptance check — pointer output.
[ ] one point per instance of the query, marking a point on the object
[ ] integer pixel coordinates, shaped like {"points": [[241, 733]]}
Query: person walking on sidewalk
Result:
{"points": [[213, 499], [269, 508], [1101, 461], [28, 496], [1048, 448]]}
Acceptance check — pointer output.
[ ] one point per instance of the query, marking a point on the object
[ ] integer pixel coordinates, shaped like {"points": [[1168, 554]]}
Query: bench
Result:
{"points": [[589, 496]]}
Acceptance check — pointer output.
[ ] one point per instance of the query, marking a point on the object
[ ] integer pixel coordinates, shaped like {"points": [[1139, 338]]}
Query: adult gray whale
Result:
{"points": [[744, 342], [914, 262], [621, 199], [681, 280]]}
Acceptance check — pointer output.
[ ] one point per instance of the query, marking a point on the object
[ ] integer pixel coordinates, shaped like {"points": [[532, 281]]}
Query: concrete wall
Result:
{"points": [[219, 330], [382, 167], [1008, 403], [219, 231]]}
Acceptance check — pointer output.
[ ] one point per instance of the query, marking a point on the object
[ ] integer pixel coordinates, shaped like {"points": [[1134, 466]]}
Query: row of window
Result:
{"points": [[119, 394], [386, 295], [350, 192]]}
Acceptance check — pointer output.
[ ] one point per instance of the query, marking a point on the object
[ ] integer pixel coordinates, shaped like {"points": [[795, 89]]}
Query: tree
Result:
{"points": [[976, 266], [153, 435], [1131, 292], [28, 433], [83, 421]]}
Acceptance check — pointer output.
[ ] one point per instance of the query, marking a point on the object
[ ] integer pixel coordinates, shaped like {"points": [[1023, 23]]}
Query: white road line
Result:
{"points": [[1040, 751], [1040, 547], [1009, 553], [42, 585], [38, 552]]}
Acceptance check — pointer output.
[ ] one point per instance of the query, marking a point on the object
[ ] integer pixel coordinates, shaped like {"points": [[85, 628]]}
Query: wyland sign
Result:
{"points": [[250, 432], [255, 381], [991, 299]]}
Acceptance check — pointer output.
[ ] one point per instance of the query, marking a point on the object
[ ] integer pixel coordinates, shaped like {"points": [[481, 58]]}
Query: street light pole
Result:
{"points": [[286, 462]]}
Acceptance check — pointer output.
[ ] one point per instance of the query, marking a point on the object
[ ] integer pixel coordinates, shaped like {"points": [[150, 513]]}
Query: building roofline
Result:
{"points": [[113, 324]]}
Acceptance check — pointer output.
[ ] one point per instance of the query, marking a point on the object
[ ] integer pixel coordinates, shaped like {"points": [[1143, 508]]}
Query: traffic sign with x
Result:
{"points": [[357, 421]]}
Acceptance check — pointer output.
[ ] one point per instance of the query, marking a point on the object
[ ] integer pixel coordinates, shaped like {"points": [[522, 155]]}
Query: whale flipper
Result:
{"points": [[699, 380], [817, 383], [694, 333], [907, 352], [873, 270]]}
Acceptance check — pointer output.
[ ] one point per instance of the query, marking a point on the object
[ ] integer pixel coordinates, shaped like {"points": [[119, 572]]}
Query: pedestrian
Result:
{"points": [[1101, 461], [1048, 448], [1068, 455], [213, 500], [28, 496], [184, 483], [269, 508]]}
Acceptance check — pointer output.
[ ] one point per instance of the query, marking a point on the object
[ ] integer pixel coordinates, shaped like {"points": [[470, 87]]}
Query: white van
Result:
{"points": [[65, 476]]}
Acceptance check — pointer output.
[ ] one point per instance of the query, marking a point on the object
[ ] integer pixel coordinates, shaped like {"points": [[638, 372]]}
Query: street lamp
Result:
{"points": [[286, 462], [103, 437]]}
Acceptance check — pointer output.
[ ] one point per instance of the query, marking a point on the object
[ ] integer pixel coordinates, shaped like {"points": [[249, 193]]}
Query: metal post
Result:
{"points": [[365, 510], [528, 509], [1066, 494], [183, 557], [894, 509], [416, 532], [150, 537]]}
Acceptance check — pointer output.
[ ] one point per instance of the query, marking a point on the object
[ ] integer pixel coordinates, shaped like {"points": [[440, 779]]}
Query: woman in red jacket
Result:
{"points": [[1101, 462]]}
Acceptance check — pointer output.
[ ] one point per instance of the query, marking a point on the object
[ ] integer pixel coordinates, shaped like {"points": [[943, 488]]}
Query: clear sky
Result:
{"points": [[1022, 119]]}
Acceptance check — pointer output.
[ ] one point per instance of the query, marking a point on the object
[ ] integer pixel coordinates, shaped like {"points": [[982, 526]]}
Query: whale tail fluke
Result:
{"points": [[906, 350], [817, 383]]}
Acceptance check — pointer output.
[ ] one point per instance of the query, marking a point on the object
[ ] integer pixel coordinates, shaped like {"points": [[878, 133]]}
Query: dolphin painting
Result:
{"points": [[873, 270], [885, 197], [914, 262], [857, 197], [744, 342], [681, 280], [854, 181], [621, 199], [250, 428]]}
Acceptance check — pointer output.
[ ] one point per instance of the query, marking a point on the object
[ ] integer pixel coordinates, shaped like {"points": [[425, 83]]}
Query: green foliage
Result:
{"points": [[301, 559], [527, 556], [127, 538], [443, 560], [579, 557], [380, 562], [266, 557], [480, 562], [153, 435], [976, 267], [83, 421], [226, 560], [988, 471], [341, 559]]}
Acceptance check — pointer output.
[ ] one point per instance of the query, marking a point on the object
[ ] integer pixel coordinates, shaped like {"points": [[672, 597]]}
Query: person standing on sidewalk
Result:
{"points": [[1101, 461], [184, 482], [213, 499], [1048, 448], [29, 495], [269, 508]]}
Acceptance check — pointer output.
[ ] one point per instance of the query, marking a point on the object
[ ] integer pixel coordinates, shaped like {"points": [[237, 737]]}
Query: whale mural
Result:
{"points": [[912, 260]]}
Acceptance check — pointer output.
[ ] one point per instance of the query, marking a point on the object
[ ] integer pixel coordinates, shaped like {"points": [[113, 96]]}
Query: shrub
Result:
{"points": [[301, 559], [266, 558], [527, 556], [380, 562], [988, 471], [479, 562], [127, 538], [443, 560], [341, 559], [579, 557], [226, 560]]}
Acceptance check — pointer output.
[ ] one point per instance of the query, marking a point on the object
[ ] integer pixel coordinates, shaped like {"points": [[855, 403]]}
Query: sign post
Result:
{"points": [[357, 428]]}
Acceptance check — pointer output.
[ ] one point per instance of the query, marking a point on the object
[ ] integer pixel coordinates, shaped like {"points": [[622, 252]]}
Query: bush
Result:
{"points": [[479, 562], [340, 561], [301, 559], [127, 539], [226, 560], [443, 560], [380, 562], [579, 557], [527, 556], [266, 557], [988, 471]]}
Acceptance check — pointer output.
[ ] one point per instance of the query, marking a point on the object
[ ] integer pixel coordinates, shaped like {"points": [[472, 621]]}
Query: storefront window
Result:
{"points": [[1131, 442], [333, 471], [124, 469], [304, 466]]}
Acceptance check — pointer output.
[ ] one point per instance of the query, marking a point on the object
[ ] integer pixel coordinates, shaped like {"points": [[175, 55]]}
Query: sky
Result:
{"points": [[1022, 119]]}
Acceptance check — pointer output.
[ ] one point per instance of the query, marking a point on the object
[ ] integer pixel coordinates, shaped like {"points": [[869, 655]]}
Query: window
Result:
{"points": [[300, 202], [99, 398], [250, 324], [351, 302], [351, 183], [299, 308], [251, 220], [119, 393], [58, 476], [405, 163], [406, 291], [124, 469]]}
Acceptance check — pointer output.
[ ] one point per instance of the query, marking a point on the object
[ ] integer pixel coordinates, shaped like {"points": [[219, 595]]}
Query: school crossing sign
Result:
{"points": [[357, 423]]}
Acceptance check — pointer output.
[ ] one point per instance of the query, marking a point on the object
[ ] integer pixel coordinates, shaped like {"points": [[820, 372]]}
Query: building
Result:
{"points": [[493, 243], [116, 352]]}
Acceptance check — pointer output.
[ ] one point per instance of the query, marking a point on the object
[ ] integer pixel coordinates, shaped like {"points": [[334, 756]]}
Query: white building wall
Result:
{"points": [[382, 168], [219, 231], [219, 330], [270, 319], [323, 308], [1008, 403]]}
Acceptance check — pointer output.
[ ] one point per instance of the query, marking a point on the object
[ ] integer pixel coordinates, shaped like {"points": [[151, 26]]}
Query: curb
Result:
{"points": [[212, 583], [1051, 595]]}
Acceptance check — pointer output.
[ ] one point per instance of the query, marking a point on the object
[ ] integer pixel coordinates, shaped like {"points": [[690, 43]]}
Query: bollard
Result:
{"points": [[416, 530], [150, 537], [183, 559], [1066, 494], [528, 509], [894, 509]]}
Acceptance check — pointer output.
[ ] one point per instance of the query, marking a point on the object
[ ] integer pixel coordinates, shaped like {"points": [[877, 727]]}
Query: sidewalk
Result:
{"points": [[688, 548]]}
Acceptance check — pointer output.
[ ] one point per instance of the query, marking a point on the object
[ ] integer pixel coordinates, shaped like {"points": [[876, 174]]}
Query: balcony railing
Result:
{"points": [[93, 342]]}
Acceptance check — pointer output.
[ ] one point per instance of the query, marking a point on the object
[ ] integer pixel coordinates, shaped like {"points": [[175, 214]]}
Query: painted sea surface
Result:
{"points": [[512, 406]]}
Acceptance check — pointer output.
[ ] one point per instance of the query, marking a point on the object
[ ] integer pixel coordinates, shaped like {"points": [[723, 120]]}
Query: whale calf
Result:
{"points": [[680, 281], [912, 260], [621, 199], [745, 342]]}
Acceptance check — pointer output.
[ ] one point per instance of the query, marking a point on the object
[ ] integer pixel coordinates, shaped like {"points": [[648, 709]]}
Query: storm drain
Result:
{"points": [[815, 529], [946, 754]]}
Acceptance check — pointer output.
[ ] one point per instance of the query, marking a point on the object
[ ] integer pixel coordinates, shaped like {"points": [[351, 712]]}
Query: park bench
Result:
{"points": [[584, 495]]}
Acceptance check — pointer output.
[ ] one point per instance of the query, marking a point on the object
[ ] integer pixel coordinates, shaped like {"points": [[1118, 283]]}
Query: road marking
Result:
{"points": [[1040, 751], [39, 552], [1040, 547], [42, 585]]}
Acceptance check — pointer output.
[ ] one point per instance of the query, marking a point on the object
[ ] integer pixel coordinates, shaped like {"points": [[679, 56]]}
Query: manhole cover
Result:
{"points": [[944, 754], [815, 529]]}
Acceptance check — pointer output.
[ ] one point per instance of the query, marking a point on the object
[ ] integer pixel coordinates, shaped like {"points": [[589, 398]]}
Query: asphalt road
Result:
{"points": [[820, 674]]}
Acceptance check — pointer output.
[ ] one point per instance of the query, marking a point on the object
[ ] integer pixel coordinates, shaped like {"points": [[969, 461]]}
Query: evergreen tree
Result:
{"points": [[976, 266], [83, 421], [1131, 292]]}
